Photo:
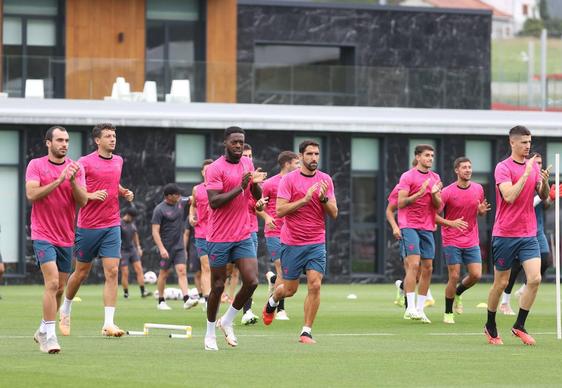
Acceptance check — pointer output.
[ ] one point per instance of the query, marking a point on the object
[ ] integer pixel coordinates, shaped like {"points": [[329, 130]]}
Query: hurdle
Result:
{"points": [[187, 330]]}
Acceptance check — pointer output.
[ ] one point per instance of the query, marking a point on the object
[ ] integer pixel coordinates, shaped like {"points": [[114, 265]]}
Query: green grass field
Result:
{"points": [[363, 342]]}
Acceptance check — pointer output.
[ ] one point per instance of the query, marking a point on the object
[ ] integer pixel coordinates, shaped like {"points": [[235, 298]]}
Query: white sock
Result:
{"points": [[109, 314], [210, 329], [421, 302], [505, 298], [411, 297], [50, 328], [429, 296], [306, 329], [42, 328], [66, 307], [272, 302], [229, 316]]}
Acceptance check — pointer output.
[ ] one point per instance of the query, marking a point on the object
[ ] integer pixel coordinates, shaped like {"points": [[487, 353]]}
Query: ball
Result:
{"points": [[150, 277]]}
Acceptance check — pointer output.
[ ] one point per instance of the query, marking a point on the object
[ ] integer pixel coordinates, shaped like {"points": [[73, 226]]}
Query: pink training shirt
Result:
{"points": [[420, 214], [269, 189], [457, 203], [516, 219], [53, 216], [101, 174], [202, 209], [393, 200], [231, 222], [252, 212], [306, 225]]}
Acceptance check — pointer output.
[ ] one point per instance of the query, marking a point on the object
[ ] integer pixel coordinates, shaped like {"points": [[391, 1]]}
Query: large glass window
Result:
{"points": [[480, 154], [365, 157], [30, 46], [173, 33], [9, 196], [304, 69], [190, 152], [75, 149]]}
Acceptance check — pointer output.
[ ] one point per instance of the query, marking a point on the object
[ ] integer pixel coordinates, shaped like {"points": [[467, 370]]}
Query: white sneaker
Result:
{"points": [[211, 343], [163, 306], [228, 333], [52, 345], [413, 314], [270, 285], [249, 318], [281, 315], [191, 302], [424, 318], [41, 339]]}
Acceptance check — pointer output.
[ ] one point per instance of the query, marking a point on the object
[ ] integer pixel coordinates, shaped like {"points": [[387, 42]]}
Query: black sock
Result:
{"points": [[247, 305], [142, 289], [273, 279], [461, 288], [160, 300], [402, 286], [449, 305], [405, 302], [200, 295], [269, 309], [185, 298], [521, 318], [206, 298], [125, 290], [491, 324], [281, 305]]}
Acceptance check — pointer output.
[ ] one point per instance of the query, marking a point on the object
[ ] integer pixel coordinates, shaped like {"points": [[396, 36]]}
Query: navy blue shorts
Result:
{"points": [[175, 257], [128, 256], [455, 255], [254, 237], [507, 249], [201, 247], [273, 247], [417, 242], [92, 243], [46, 252], [222, 253], [296, 258], [194, 263], [543, 243]]}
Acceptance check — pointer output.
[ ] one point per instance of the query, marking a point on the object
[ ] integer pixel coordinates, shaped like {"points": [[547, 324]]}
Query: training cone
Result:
{"points": [[352, 296], [482, 305], [77, 299]]}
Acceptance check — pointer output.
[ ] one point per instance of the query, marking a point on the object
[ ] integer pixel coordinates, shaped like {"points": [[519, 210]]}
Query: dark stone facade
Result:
{"points": [[403, 57]]}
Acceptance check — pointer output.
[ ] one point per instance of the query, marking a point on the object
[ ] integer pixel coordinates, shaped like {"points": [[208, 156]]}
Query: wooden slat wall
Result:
{"points": [[221, 50], [94, 55]]}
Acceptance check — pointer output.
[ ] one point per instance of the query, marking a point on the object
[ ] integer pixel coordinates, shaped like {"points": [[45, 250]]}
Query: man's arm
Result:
{"points": [[193, 209], [390, 209], [459, 223], [158, 241], [405, 200], [34, 191], [218, 199], [136, 241], [284, 207]]}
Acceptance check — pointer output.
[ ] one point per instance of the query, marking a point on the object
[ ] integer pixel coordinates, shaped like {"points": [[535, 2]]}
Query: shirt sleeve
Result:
{"points": [[330, 193], [32, 174], [284, 190], [502, 174], [482, 197], [538, 173], [214, 178], [404, 183], [444, 200], [157, 216], [81, 176]]}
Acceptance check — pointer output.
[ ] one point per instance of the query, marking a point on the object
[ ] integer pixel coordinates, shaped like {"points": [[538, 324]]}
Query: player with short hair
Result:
{"points": [[515, 229], [199, 219], [168, 233], [54, 184], [231, 180], [304, 198], [419, 197], [288, 161], [131, 252], [98, 229], [463, 201], [516, 267]]}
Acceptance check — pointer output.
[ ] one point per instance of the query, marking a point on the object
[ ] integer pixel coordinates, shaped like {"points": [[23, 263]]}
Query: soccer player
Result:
{"points": [[131, 252], [304, 197], [199, 219], [463, 201], [288, 161], [231, 180], [419, 198], [540, 206], [98, 230], [168, 233], [55, 186], [515, 229]]}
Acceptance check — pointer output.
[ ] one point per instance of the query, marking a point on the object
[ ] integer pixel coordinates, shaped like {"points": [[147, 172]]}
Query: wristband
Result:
{"points": [[325, 200]]}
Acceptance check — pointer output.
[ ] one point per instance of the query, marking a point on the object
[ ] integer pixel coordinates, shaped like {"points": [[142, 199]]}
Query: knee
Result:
{"points": [[181, 272], [290, 291], [52, 286], [427, 268], [475, 276], [314, 287], [218, 286], [454, 277], [413, 268], [501, 283], [534, 281], [111, 273]]}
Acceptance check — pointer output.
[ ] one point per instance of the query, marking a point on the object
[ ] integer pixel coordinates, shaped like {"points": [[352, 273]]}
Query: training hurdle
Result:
{"points": [[162, 326]]}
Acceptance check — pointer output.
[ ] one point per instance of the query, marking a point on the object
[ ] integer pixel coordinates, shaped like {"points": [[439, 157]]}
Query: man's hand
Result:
{"points": [[164, 253], [310, 191], [245, 180], [258, 176], [459, 223], [270, 222], [261, 203], [529, 166], [128, 195], [397, 233], [72, 170], [139, 251], [436, 187], [99, 195], [484, 207], [193, 220], [63, 175], [322, 190]]}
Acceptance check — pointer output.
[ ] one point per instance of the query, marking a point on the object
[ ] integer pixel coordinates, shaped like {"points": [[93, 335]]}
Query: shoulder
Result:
{"points": [[434, 175]]}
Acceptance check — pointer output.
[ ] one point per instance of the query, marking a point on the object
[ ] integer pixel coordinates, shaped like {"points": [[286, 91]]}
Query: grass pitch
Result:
{"points": [[362, 342]]}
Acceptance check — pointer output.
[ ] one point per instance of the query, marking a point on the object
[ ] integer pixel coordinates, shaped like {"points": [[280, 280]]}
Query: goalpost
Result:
{"points": [[557, 244]]}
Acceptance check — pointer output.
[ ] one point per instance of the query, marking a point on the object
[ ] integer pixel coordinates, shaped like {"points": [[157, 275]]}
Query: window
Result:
{"points": [[173, 37], [304, 69], [552, 148], [75, 149], [364, 205], [525, 10], [9, 196], [30, 46], [190, 153], [480, 154]]}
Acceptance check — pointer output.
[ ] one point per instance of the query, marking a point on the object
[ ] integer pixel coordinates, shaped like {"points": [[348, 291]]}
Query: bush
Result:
{"points": [[532, 27]]}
